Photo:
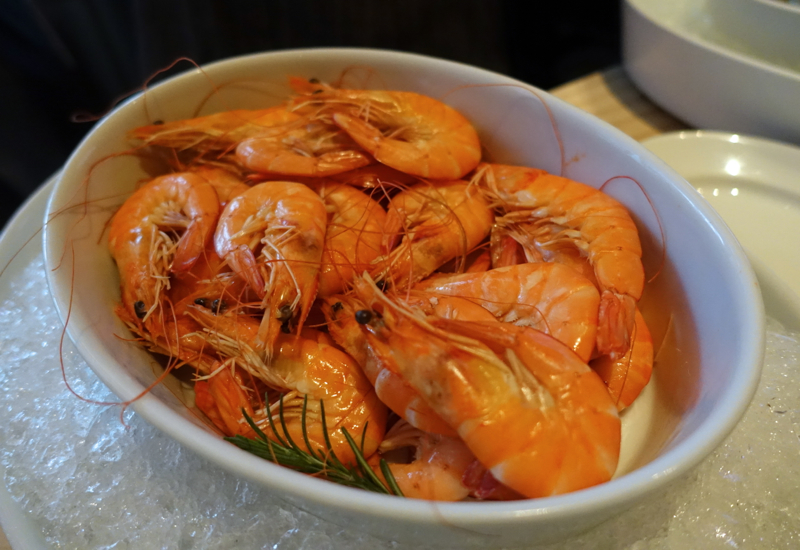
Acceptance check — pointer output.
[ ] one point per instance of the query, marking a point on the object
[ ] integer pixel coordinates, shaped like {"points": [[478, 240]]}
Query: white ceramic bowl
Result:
{"points": [[703, 308], [688, 57]]}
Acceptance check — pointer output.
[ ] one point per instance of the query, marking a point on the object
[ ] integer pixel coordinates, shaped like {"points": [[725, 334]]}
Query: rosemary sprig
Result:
{"points": [[320, 463]]}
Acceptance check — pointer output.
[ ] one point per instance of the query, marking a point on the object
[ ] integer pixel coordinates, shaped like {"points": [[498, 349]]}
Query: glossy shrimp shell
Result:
{"points": [[162, 228], [428, 225], [410, 132], [627, 376], [353, 236], [217, 132], [305, 365], [273, 236], [559, 213], [376, 361], [549, 297], [437, 468], [530, 410], [306, 147]]}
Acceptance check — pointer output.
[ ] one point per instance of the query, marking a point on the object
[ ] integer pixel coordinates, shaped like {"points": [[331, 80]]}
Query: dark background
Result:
{"points": [[61, 60]]}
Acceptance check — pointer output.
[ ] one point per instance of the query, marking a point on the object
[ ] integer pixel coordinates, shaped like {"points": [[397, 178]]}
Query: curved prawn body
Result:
{"points": [[376, 361], [556, 213], [529, 409], [410, 132], [273, 235], [434, 223], [305, 365], [306, 147], [627, 376], [218, 132], [222, 398], [437, 468], [162, 229], [227, 184], [353, 237], [548, 297], [376, 176]]}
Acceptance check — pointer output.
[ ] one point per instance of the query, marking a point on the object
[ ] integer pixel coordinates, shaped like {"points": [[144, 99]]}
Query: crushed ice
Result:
{"points": [[88, 482]]}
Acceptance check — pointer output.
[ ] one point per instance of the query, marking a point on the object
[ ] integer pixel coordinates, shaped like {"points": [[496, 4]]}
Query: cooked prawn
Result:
{"points": [[410, 132], [627, 376], [162, 228], [558, 212], [437, 223], [375, 358], [227, 184], [306, 365], [436, 469], [549, 297], [528, 408], [302, 148], [353, 237], [218, 132], [376, 361], [273, 236]]}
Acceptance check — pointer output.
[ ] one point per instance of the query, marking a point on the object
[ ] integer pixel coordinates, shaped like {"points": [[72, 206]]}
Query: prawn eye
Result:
{"points": [[313, 80], [381, 285], [140, 309], [158, 122], [218, 306], [284, 313], [201, 302], [363, 316], [285, 328], [338, 306]]}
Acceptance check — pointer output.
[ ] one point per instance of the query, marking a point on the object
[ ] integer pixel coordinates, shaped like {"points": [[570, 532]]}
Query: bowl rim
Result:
{"points": [[614, 494]]}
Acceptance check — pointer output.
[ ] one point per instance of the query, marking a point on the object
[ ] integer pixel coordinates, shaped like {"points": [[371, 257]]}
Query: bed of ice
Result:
{"points": [[87, 481]]}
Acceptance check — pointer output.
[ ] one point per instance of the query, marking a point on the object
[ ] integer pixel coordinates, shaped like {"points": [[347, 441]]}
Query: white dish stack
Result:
{"points": [[730, 65]]}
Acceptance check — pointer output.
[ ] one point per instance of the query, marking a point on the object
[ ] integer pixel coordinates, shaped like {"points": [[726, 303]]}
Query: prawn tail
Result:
{"points": [[243, 262], [190, 247], [307, 300], [627, 376], [363, 133], [222, 400], [616, 320]]}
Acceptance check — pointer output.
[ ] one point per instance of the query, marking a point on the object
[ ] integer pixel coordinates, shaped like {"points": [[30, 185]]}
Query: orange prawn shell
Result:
{"points": [[614, 249], [434, 223], [375, 360], [537, 450], [549, 297], [627, 376], [183, 198], [410, 132], [353, 236], [333, 376], [273, 236], [219, 131]]}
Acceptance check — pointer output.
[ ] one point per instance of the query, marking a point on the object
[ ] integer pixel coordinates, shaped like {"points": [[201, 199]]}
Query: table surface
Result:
{"points": [[611, 96]]}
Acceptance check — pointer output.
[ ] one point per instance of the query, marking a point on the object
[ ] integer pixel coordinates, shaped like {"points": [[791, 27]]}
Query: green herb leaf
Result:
{"points": [[319, 463]]}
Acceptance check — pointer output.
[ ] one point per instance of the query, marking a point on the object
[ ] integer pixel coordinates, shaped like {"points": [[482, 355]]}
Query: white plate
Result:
{"points": [[753, 183], [673, 53]]}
